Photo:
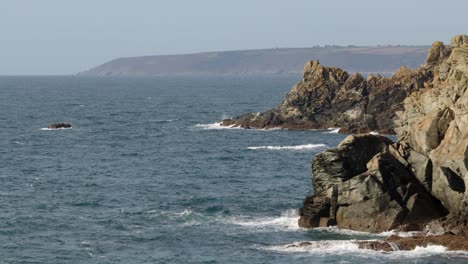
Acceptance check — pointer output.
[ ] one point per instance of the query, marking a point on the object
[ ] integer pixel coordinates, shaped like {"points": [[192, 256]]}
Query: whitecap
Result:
{"points": [[297, 147], [185, 212], [333, 130], [287, 220], [374, 133], [215, 126]]}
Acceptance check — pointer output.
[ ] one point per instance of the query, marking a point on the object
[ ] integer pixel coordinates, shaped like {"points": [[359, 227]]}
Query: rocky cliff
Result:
{"points": [[331, 97], [369, 183]]}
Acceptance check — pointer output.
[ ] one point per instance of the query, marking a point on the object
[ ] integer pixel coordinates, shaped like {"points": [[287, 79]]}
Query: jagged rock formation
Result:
{"points": [[370, 184], [330, 97]]}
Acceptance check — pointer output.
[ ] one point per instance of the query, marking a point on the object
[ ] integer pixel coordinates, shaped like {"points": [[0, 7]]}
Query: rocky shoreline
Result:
{"points": [[328, 97], [369, 183]]}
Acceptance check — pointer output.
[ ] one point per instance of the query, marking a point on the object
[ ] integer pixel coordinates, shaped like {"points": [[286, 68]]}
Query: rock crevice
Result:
{"points": [[379, 185], [330, 97]]}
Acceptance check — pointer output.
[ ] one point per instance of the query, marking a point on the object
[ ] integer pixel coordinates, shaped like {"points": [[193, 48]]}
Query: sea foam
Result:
{"points": [[49, 129], [349, 247], [298, 147], [348, 232], [215, 126], [333, 130], [164, 120], [287, 220]]}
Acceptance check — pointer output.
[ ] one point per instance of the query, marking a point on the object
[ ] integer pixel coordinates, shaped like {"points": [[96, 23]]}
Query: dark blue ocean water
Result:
{"points": [[145, 176]]}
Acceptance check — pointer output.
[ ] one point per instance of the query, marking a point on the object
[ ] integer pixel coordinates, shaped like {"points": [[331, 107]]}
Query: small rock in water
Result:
{"points": [[59, 125]]}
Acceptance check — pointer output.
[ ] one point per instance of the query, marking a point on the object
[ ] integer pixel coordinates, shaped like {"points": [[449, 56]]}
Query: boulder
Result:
{"points": [[373, 191], [59, 125]]}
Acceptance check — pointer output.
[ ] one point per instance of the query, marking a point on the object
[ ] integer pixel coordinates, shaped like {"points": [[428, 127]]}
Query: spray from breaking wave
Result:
{"points": [[333, 130], [215, 126], [298, 147], [287, 220]]}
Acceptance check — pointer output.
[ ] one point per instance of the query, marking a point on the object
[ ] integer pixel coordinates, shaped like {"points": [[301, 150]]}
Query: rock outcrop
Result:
{"points": [[59, 125], [369, 183], [330, 97]]}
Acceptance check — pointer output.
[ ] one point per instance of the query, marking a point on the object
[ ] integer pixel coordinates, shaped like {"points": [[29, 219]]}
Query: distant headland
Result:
{"points": [[368, 59]]}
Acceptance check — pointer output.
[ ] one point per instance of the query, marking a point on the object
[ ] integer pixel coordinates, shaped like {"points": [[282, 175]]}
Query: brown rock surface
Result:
{"points": [[59, 125], [330, 97], [411, 184]]}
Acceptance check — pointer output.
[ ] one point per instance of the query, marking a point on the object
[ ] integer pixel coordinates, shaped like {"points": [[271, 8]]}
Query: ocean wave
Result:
{"points": [[62, 128], [348, 232], [215, 126], [349, 247], [287, 220], [185, 212], [164, 120], [218, 126], [333, 130], [298, 147]]}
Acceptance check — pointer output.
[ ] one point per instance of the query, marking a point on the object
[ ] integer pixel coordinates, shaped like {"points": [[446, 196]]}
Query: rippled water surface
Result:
{"points": [[146, 176]]}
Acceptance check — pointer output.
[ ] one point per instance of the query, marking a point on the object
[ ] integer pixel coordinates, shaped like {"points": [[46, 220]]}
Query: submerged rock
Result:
{"points": [[59, 125]]}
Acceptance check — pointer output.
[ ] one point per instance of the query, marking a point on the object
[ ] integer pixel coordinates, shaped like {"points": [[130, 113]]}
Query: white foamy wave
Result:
{"points": [[348, 232], [374, 133], [299, 147], [287, 220], [215, 126], [399, 233], [62, 128], [346, 247], [333, 130], [218, 126], [323, 247], [185, 212]]}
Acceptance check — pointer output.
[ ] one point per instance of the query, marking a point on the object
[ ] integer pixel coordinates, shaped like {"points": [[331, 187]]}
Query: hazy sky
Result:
{"points": [[64, 36]]}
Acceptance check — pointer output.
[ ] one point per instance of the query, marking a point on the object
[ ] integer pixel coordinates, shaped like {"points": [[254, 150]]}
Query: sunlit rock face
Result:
{"points": [[420, 178]]}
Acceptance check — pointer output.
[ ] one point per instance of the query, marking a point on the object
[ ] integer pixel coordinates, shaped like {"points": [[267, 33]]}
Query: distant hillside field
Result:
{"points": [[384, 59]]}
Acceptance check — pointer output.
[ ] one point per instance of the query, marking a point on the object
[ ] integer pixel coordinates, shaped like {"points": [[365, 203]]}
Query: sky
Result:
{"points": [[61, 37]]}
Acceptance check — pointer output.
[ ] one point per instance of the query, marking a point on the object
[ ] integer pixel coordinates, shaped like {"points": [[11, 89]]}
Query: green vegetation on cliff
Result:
{"points": [[266, 61]]}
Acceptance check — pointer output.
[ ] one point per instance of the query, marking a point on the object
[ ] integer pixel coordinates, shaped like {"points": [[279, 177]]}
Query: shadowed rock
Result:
{"points": [[59, 125], [416, 183], [330, 97]]}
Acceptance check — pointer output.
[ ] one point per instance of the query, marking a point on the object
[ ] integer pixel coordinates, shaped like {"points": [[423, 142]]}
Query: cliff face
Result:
{"points": [[330, 97], [369, 183]]}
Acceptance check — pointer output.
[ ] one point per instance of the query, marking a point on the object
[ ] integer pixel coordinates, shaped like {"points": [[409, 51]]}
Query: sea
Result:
{"points": [[147, 175]]}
